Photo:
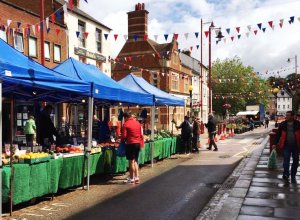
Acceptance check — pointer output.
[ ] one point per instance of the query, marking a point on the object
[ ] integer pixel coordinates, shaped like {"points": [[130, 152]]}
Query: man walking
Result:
{"points": [[133, 137], [288, 141], [211, 128], [267, 119], [196, 134]]}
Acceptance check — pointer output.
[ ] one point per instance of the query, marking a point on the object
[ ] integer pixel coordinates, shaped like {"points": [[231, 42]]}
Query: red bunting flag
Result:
{"points": [[232, 38], [255, 32], [53, 18], [271, 23], [57, 30], [116, 36], [280, 24], [238, 29], [130, 58], [191, 47], [145, 37], [71, 4], [206, 33], [176, 36], [86, 34]]}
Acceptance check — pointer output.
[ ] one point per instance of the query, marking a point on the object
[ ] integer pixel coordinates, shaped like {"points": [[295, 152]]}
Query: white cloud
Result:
{"points": [[264, 51]]}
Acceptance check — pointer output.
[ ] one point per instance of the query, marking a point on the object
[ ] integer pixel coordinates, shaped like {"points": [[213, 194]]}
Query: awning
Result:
{"points": [[247, 113]]}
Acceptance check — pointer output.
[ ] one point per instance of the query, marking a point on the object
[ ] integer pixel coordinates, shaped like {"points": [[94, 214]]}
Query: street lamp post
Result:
{"points": [[275, 91], [289, 60], [42, 16], [219, 36], [191, 99]]}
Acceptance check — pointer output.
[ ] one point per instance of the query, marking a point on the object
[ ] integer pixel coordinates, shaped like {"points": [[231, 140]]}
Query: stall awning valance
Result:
{"points": [[247, 113]]}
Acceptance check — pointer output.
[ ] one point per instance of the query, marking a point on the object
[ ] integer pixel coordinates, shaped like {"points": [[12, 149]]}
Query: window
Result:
{"points": [[99, 40], [154, 78], [283, 106], [47, 50], [3, 35], [278, 106], [186, 85], [32, 47], [175, 81], [288, 106], [18, 42], [57, 53], [81, 29]]}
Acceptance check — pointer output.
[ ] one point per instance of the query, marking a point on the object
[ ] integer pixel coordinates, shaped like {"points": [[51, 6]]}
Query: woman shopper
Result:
{"points": [[132, 135]]}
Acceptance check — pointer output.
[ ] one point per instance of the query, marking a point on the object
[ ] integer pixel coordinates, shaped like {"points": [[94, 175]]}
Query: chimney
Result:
{"points": [[138, 21]]}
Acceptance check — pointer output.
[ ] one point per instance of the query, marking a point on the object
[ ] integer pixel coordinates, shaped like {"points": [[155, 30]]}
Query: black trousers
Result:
{"points": [[212, 140], [29, 139], [187, 144]]}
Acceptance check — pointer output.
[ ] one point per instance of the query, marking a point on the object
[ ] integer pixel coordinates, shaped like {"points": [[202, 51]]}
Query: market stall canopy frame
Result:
{"points": [[247, 113]]}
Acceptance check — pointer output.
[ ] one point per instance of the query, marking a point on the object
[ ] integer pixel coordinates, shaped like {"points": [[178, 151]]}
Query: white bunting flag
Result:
{"points": [[249, 27], [8, 22], [65, 8], [155, 37], [47, 22], [186, 35], [125, 37], [33, 29]]}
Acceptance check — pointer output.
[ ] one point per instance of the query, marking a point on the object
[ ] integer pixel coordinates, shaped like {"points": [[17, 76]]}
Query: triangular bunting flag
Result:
{"points": [[47, 22], [28, 31], [48, 30], [255, 32], [58, 15], [163, 74], [176, 36], [42, 25], [191, 48], [125, 36], [228, 30], [53, 18], [116, 36], [249, 27], [271, 23], [8, 22], [232, 38], [155, 37], [280, 25], [135, 37], [186, 35], [292, 19], [206, 33], [65, 8], [71, 4], [259, 26], [196, 34], [18, 24], [281, 21], [197, 46], [179, 50], [264, 29], [145, 37], [166, 36], [239, 36], [238, 29], [86, 34], [77, 33], [105, 36], [57, 30]]}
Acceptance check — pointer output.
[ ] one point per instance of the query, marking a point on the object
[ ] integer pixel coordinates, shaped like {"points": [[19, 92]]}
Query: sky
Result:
{"points": [[267, 52]]}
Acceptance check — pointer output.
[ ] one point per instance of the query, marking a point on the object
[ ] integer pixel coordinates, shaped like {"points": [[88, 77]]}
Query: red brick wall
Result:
{"points": [[17, 15]]}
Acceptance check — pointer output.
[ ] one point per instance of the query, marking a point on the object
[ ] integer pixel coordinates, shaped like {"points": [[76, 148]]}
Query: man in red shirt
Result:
{"points": [[133, 136]]}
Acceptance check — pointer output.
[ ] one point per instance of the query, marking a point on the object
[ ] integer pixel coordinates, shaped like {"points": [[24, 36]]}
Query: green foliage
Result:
{"points": [[247, 89]]}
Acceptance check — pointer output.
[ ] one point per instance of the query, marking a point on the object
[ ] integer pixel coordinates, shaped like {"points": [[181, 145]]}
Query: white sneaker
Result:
{"points": [[129, 181]]}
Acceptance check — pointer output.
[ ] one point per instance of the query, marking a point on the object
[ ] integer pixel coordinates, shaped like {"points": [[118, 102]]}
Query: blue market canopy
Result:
{"points": [[26, 79], [104, 88], [162, 98]]}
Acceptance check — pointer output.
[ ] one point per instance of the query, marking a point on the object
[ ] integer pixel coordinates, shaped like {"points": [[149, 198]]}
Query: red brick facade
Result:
{"points": [[156, 63], [27, 13]]}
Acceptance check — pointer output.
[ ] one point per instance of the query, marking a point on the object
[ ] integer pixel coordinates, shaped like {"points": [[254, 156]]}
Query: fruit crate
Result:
{"points": [[35, 160]]}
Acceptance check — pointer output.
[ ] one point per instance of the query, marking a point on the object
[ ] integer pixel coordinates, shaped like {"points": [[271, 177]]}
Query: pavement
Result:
{"points": [[233, 183]]}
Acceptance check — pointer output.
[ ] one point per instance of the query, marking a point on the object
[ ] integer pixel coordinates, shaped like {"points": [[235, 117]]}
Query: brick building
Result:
{"points": [[159, 64], [23, 32]]}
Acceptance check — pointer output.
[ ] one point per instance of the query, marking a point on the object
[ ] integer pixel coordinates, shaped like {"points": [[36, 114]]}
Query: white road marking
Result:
{"points": [[246, 140]]}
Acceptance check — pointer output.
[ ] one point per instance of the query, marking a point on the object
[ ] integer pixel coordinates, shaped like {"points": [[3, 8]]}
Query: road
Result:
{"points": [[176, 188]]}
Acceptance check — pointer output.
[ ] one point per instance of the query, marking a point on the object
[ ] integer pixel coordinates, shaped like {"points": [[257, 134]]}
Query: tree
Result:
{"points": [[237, 85]]}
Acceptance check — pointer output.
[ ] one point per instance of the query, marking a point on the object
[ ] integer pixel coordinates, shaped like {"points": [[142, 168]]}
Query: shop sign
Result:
{"points": [[88, 54]]}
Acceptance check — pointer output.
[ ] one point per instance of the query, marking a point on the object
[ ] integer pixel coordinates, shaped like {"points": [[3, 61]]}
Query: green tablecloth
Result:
{"points": [[71, 172], [39, 179]]}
